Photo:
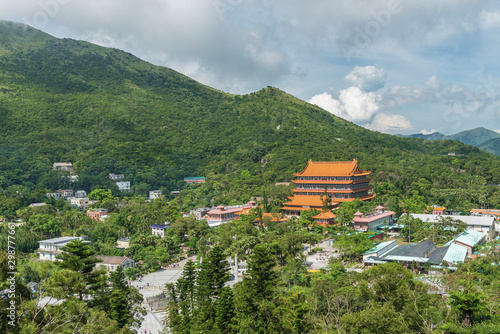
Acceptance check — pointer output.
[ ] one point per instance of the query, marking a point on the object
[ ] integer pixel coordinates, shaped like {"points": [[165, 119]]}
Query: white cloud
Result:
{"points": [[368, 78], [427, 132], [385, 122], [490, 19], [353, 104]]}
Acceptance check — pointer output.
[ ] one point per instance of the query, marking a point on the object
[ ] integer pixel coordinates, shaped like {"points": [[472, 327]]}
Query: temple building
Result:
{"points": [[342, 181]]}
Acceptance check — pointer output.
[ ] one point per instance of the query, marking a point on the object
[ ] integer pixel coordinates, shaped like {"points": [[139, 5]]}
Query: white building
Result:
{"points": [[82, 203], [123, 185], [80, 193], [159, 230], [111, 263], [116, 177], [48, 249], [480, 224], [64, 166], [154, 194]]}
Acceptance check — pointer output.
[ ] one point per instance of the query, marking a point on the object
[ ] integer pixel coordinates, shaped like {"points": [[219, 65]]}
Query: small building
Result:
{"points": [[371, 221], [469, 239], [123, 185], [111, 263], [154, 194], [81, 203], [325, 218], [97, 214], [159, 230], [175, 193], [485, 213], [35, 205], [80, 193], [116, 177], [194, 179], [123, 243], [48, 249], [380, 249], [63, 166], [198, 213], [439, 210], [222, 214]]}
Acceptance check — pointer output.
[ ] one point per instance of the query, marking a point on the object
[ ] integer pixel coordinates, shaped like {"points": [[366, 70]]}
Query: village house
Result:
{"points": [[341, 181], [154, 194], [111, 263], [194, 179], [80, 193], [63, 166], [48, 249], [159, 230], [123, 243], [82, 203], [97, 214], [123, 185], [116, 177]]}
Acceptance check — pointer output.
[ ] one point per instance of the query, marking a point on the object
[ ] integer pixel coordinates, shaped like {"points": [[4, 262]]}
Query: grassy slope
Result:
{"points": [[107, 111]]}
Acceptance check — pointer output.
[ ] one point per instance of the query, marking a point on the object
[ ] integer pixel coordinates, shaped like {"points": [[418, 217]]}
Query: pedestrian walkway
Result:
{"points": [[151, 325]]}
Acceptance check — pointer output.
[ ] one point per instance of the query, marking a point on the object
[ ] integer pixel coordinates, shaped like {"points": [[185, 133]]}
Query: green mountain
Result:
{"points": [[492, 146], [478, 137], [106, 111], [475, 137]]}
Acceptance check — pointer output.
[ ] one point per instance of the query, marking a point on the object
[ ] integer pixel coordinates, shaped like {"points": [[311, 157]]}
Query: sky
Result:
{"points": [[394, 66]]}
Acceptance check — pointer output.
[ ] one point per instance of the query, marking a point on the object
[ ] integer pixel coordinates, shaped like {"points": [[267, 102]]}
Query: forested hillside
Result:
{"points": [[106, 111]]}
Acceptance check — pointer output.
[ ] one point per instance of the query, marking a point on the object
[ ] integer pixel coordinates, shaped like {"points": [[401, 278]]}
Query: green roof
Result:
{"points": [[455, 254]]}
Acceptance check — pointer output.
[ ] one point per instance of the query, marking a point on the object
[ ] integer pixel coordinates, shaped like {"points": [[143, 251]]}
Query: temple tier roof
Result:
{"points": [[325, 215], [331, 181], [332, 168], [315, 201]]}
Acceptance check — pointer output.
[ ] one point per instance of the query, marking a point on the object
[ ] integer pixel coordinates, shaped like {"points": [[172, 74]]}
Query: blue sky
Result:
{"points": [[390, 65]]}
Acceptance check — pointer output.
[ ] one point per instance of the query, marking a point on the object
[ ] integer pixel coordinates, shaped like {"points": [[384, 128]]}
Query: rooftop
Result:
{"points": [[59, 240], [381, 246], [306, 200], [470, 237], [332, 168], [108, 259], [469, 220], [455, 254]]}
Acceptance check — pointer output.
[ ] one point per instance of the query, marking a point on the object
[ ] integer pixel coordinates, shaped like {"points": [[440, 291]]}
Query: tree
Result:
{"points": [[119, 307], [209, 284], [79, 257], [101, 195], [182, 305], [256, 297]]}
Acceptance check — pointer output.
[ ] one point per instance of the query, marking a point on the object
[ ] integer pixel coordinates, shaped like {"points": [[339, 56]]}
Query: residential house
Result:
{"points": [[116, 177], [159, 230], [154, 194], [222, 214], [194, 179], [48, 249], [63, 166], [80, 193], [111, 263], [97, 214], [123, 185]]}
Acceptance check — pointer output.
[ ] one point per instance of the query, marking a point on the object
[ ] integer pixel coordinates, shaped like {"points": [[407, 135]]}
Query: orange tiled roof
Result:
{"points": [[325, 215], [305, 200], [440, 208], [294, 208], [332, 168]]}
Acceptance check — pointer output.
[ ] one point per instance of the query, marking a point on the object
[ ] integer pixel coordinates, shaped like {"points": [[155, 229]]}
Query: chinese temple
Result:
{"points": [[341, 181]]}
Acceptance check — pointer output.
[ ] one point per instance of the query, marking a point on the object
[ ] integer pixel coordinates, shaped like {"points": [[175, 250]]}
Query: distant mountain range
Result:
{"points": [[481, 138]]}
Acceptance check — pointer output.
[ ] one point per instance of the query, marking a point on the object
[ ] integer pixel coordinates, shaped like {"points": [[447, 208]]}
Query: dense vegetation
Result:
{"points": [[107, 111]]}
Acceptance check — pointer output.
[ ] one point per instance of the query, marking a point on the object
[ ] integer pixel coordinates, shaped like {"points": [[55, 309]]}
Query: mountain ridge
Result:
{"points": [[106, 111]]}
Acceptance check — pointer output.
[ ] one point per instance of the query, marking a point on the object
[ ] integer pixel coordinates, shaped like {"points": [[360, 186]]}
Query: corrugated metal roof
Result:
{"points": [[469, 220], [470, 237], [405, 258], [437, 255], [381, 247], [455, 254]]}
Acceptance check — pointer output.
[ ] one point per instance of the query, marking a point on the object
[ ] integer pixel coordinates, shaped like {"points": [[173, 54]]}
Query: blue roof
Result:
{"points": [[161, 226], [455, 254], [468, 237]]}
